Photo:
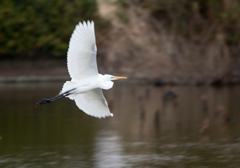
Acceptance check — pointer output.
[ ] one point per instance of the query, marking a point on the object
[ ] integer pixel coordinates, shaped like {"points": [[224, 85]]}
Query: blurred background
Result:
{"points": [[178, 108], [175, 41]]}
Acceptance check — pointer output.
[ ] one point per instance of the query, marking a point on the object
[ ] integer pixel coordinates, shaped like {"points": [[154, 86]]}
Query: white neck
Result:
{"points": [[106, 82]]}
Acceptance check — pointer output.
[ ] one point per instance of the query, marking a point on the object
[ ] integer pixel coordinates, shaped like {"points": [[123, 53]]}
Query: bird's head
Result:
{"points": [[107, 81]]}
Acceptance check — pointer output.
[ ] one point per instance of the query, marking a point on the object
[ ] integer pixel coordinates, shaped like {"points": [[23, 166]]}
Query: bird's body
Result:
{"points": [[86, 84]]}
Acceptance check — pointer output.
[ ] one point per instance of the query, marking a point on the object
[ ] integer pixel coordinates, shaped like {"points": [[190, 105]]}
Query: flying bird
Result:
{"points": [[86, 84]]}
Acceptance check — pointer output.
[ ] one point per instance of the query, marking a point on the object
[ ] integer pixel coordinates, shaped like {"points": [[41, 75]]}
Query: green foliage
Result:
{"points": [[41, 27]]}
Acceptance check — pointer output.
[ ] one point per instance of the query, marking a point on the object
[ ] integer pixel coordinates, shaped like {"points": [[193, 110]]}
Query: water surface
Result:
{"points": [[199, 127]]}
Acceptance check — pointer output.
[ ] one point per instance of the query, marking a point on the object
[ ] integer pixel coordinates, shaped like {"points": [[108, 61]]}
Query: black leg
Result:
{"points": [[45, 101]]}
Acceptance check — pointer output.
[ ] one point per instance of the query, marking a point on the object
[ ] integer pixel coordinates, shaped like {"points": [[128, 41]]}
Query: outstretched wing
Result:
{"points": [[81, 56], [93, 103]]}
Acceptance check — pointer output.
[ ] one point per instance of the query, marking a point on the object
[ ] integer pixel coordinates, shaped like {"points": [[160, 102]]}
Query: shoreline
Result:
{"points": [[30, 71], [141, 81]]}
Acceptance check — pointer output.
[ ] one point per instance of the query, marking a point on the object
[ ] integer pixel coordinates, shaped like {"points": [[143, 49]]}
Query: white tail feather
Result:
{"points": [[68, 85]]}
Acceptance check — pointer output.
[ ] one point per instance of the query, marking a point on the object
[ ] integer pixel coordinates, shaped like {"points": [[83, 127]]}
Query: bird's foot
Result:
{"points": [[44, 101]]}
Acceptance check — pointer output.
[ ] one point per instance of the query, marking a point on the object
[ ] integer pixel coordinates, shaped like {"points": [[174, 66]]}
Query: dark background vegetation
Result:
{"points": [[198, 17], [170, 40], [41, 27], [198, 20]]}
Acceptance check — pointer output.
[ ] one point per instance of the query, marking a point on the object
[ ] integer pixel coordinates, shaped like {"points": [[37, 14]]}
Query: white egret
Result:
{"points": [[86, 84]]}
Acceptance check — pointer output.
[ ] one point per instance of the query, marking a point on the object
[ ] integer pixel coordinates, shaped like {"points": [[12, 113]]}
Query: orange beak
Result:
{"points": [[120, 77]]}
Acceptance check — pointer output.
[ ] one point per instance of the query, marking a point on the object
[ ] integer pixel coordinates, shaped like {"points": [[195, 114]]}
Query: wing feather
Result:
{"points": [[81, 56], [92, 103]]}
